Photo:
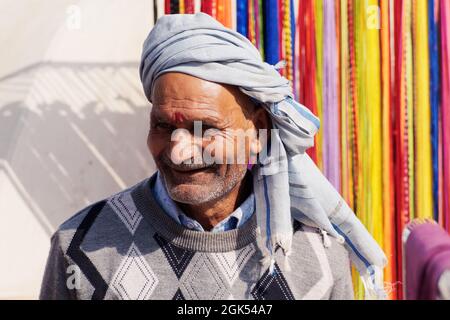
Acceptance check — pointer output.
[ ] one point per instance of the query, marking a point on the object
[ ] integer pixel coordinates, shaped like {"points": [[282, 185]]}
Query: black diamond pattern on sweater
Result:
{"points": [[272, 287], [178, 295], [178, 258]]}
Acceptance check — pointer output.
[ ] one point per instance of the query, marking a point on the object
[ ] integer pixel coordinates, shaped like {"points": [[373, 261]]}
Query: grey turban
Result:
{"points": [[287, 184]]}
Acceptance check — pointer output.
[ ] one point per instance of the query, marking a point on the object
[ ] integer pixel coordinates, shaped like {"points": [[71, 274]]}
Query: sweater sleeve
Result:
{"points": [[54, 285]]}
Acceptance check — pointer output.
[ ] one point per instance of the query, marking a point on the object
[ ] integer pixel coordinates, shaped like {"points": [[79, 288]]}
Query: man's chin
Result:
{"points": [[191, 193]]}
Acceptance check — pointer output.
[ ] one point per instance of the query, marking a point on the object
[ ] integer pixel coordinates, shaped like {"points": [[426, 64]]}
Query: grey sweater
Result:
{"points": [[126, 247]]}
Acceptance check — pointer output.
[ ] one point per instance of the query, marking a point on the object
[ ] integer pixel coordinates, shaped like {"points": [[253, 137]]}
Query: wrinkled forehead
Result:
{"points": [[175, 85], [178, 89]]}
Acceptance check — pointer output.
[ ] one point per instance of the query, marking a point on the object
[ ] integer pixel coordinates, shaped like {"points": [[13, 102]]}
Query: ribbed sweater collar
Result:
{"points": [[186, 238]]}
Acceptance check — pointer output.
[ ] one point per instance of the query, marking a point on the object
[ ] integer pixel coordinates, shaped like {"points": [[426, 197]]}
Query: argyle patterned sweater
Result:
{"points": [[126, 247]]}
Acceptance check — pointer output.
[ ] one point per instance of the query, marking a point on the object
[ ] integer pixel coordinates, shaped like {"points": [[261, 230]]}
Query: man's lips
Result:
{"points": [[188, 167], [191, 169]]}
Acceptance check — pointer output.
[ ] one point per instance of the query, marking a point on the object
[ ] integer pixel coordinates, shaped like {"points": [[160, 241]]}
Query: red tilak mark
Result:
{"points": [[177, 117]]}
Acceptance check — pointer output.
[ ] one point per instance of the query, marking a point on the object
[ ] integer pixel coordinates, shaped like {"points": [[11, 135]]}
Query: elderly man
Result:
{"points": [[219, 219]]}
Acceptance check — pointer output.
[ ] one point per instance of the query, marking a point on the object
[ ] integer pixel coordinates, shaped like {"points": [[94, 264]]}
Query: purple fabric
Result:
{"points": [[330, 150], [427, 256]]}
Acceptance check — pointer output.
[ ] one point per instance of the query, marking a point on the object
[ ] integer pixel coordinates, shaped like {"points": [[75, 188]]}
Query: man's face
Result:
{"points": [[181, 102]]}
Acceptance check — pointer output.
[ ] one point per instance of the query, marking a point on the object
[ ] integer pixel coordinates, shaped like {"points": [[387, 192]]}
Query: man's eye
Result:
{"points": [[208, 127], [163, 126], [210, 131]]}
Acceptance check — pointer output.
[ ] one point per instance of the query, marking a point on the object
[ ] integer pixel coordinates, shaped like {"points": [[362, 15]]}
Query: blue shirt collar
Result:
{"points": [[236, 219]]}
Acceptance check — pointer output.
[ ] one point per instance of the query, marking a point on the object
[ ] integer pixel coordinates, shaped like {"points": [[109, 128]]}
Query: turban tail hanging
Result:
{"points": [[287, 183]]}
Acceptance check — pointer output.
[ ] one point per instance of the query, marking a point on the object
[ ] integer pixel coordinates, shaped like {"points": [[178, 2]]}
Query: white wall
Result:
{"points": [[73, 120]]}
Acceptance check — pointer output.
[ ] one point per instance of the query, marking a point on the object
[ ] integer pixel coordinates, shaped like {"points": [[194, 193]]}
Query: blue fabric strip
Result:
{"points": [[271, 41], [305, 113], [268, 231], [434, 101], [352, 246], [242, 17]]}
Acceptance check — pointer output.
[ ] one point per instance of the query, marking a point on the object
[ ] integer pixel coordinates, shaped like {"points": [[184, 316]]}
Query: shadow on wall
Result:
{"points": [[72, 134]]}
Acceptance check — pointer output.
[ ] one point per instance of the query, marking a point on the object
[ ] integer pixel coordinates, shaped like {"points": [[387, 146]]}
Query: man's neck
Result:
{"points": [[210, 213]]}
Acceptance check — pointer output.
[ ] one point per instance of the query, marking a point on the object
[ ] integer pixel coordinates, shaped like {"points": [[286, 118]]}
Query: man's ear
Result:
{"points": [[261, 121], [261, 118]]}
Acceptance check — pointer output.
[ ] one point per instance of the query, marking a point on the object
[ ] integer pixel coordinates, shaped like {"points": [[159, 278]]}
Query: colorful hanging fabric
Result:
{"points": [[397, 91], [223, 13], [197, 6], [318, 20], [434, 99], [292, 44], [387, 154], [281, 47], [252, 22], [233, 8], [296, 25], [261, 28], [403, 15], [361, 60], [353, 110], [287, 40], [307, 60], [373, 88], [359, 20], [344, 118], [330, 123], [189, 6], [220, 13], [174, 6], [207, 6], [422, 114], [410, 109], [181, 6], [271, 42], [242, 17], [337, 24], [445, 112], [380, 83], [167, 6], [258, 23], [369, 197]]}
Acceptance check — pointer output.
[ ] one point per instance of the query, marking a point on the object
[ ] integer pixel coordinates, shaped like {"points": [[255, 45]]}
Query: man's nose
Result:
{"points": [[185, 147]]}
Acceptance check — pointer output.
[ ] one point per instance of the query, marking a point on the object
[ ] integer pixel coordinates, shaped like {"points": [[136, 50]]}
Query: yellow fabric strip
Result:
{"points": [[318, 15], [181, 6], [374, 136], [287, 39], [423, 166], [370, 197], [410, 103]]}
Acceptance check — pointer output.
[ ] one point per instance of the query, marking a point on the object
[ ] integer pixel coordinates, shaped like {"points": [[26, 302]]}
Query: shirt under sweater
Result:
{"points": [[127, 247], [236, 219]]}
